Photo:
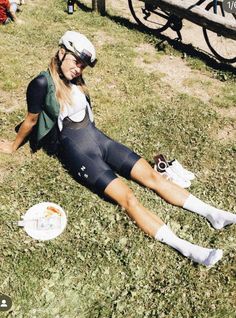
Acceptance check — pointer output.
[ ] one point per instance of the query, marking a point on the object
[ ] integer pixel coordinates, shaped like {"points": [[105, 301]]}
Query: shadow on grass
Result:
{"points": [[83, 6], [188, 49]]}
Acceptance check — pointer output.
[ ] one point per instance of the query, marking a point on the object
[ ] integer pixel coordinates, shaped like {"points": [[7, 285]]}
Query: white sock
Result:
{"points": [[218, 218], [198, 254]]}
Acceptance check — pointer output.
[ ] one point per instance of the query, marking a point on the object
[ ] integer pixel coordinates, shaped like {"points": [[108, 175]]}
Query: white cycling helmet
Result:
{"points": [[80, 46]]}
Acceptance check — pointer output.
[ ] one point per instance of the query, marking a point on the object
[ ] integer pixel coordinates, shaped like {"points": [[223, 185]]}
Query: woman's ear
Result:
{"points": [[61, 53]]}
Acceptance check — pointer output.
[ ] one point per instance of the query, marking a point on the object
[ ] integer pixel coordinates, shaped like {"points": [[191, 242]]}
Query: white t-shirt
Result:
{"points": [[76, 111]]}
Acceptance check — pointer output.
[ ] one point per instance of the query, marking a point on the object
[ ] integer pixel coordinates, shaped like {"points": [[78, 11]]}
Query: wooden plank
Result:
{"points": [[198, 15], [99, 6]]}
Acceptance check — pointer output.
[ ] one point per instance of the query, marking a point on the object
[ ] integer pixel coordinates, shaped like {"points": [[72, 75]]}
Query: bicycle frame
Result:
{"points": [[220, 40]]}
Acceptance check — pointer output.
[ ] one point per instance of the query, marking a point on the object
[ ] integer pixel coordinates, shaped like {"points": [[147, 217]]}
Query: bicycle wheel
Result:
{"points": [[149, 15], [223, 48]]}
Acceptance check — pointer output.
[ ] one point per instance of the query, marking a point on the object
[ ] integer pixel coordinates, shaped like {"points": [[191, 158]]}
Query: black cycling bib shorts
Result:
{"points": [[92, 157]]}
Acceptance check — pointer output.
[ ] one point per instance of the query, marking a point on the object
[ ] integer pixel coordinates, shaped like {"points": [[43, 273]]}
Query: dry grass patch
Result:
{"points": [[10, 163], [146, 48], [227, 112], [178, 75], [11, 101], [102, 38], [147, 58], [227, 133]]}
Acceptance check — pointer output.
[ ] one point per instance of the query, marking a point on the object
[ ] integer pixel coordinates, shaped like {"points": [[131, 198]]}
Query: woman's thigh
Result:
{"points": [[87, 168], [118, 156]]}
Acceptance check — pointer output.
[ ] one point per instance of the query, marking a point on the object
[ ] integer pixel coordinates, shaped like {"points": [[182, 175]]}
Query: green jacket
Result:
{"points": [[48, 117], [46, 124], [46, 133]]}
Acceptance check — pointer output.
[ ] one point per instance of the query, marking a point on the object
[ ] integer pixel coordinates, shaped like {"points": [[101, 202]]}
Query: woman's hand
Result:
{"points": [[24, 131], [6, 146]]}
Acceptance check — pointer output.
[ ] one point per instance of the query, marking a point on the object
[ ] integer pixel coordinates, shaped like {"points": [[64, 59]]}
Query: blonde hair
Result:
{"points": [[62, 85]]}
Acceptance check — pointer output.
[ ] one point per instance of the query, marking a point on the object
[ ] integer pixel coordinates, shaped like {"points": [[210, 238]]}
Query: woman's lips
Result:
{"points": [[75, 74]]}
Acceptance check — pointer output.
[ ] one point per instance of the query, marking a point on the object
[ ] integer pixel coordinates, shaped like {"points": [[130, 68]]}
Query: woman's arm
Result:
{"points": [[35, 95], [25, 129]]}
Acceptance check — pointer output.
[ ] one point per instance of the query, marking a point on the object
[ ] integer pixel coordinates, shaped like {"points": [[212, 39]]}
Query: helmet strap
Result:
{"points": [[59, 63]]}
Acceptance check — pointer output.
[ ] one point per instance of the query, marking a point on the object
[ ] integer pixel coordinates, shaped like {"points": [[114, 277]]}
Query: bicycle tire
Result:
{"points": [[208, 35], [141, 10]]}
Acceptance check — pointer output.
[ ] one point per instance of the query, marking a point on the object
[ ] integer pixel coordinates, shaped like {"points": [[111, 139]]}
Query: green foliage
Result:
{"points": [[102, 265]]}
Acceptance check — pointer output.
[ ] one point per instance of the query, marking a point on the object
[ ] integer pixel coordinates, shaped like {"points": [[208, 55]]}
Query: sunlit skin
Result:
{"points": [[71, 66]]}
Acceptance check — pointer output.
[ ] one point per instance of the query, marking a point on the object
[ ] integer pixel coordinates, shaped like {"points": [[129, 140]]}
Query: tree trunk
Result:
{"points": [[99, 6]]}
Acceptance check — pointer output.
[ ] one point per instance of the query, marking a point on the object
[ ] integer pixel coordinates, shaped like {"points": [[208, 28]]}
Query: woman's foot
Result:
{"points": [[218, 218], [196, 253]]}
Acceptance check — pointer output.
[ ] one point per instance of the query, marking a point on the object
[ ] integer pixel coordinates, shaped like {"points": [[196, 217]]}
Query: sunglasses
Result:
{"points": [[76, 60], [85, 56]]}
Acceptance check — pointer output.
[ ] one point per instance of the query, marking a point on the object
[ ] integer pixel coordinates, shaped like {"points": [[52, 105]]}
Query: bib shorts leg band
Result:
{"points": [[92, 157]]}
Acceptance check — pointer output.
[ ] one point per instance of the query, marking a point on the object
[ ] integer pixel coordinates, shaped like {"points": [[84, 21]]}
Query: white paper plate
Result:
{"points": [[44, 221]]}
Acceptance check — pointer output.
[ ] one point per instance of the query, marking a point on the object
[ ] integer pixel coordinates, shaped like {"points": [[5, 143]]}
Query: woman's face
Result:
{"points": [[71, 66]]}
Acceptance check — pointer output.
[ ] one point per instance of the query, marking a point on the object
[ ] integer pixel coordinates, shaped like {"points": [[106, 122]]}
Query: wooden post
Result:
{"points": [[99, 6], [198, 16]]}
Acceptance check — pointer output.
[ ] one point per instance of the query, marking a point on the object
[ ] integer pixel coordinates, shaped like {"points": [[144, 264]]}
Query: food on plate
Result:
{"points": [[51, 210]]}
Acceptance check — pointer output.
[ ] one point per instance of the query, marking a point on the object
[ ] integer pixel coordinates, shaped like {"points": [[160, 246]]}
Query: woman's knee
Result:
{"points": [[129, 201], [122, 194], [145, 174], [153, 179]]}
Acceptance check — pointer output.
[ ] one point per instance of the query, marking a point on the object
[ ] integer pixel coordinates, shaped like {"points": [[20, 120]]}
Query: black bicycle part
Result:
{"points": [[149, 15], [175, 23], [218, 55]]}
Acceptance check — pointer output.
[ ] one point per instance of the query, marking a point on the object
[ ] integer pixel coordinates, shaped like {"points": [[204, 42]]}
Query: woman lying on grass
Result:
{"points": [[58, 104]]}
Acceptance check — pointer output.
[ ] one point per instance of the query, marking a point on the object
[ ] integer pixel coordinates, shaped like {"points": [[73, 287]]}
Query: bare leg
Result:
{"points": [[169, 191], [123, 195], [172, 193], [154, 226]]}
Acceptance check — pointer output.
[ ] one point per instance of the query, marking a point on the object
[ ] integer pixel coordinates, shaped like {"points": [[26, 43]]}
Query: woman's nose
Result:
{"points": [[79, 68]]}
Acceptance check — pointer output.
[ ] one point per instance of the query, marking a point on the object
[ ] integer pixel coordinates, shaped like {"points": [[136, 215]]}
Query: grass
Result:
{"points": [[102, 265]]}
